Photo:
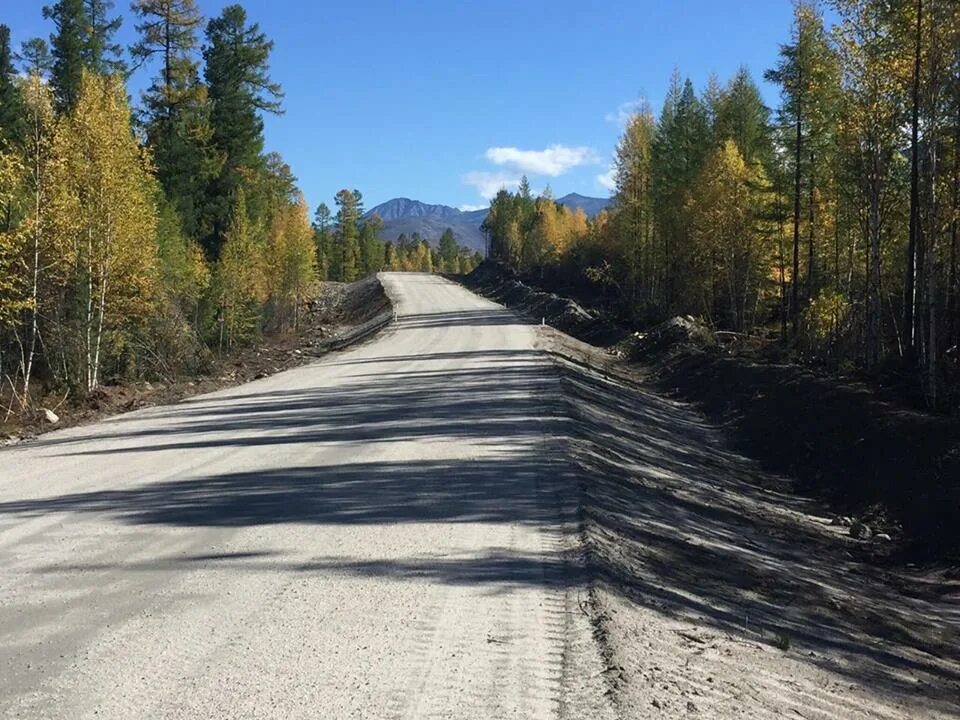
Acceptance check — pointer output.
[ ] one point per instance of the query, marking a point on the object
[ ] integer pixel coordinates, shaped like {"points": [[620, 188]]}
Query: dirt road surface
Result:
{"points": [[387, 533]]}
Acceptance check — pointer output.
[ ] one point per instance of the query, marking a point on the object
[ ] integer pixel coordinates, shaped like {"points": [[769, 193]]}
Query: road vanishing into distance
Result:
{"points": [[384, 533]]}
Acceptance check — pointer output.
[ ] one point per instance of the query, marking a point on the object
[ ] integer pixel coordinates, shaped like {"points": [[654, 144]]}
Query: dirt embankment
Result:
{"points": [[719, 591], [498, 283], [884, 468], [336, 316], [890, 467]]}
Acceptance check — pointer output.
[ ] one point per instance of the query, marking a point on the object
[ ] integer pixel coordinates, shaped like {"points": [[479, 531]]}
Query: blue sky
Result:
{"points": [[444, 101]]}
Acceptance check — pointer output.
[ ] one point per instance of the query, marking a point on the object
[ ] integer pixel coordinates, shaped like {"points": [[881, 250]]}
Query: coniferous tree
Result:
{"points": [[83, 39], [68, 45], [101, 54], [448, 250], [681, 143], [176, 112], [371, 246], [322, 239], [240, 89], [11, 98], [808, 74], [348, 248], [35, 57]]}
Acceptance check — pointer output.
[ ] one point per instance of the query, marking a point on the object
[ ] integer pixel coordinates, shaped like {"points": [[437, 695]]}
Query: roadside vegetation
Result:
{"points": [[828, 228], [146, 241]]}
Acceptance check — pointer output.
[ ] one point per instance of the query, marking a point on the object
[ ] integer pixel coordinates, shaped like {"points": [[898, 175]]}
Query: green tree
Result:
{"points": [[11, 98], [348, 247], [371, 246], [83, 39], [449, 250], [101, 54], [176, 112], [743, 118], [680, 146], [240, 89], [808, 73], [68, 44], [323, 241], [35, 57]]}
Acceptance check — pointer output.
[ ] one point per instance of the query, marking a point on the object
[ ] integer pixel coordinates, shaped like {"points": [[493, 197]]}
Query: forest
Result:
{"points": [[137, 239], [827, 226]]}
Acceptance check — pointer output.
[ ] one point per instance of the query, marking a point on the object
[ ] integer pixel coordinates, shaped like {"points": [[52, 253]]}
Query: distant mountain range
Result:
{"points": [[402, 215]]}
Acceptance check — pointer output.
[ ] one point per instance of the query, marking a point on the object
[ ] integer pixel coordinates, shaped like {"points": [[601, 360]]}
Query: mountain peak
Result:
{"points": [[405, 207], [403, 215]]}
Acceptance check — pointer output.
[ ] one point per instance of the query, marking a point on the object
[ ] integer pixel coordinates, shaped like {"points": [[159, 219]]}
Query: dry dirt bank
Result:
{"points": [[719, 591]]}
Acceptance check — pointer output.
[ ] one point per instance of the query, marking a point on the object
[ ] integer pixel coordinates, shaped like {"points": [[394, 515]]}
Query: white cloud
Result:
{"points": [[553, 161], [608, 180], [472, 208], [625, 111], [489, 184]]}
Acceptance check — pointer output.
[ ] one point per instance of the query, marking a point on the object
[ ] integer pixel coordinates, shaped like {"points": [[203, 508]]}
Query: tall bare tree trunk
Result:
{"points": [[910, 299], [795, 280], [873, 269], [34, 294], [952, 305], [811, 219]]}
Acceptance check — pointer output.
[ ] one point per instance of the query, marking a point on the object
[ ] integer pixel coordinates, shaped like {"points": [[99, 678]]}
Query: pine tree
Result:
{"points": [[371, 246], [11, 98], [83, 39], [448, 250], [176, 108], [348, 248], [100, 53], [68, 46], [681, 143], [743, 118], [35, 57], [239, 86], [322, 238], [808, 74]]}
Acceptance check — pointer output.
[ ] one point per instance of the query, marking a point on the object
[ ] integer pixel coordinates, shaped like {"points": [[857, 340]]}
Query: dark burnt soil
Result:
{"points": [[337, 315], [863, 456], [539, 302], [719, 587], [893, 467]]}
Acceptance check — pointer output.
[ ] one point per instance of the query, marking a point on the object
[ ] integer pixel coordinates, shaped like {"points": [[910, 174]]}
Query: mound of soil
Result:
{"points": [[892, 466], [498, 283]]}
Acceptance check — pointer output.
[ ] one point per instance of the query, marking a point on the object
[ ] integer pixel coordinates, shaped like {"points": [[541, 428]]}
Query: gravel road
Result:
{"points": [[386, 533]]}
